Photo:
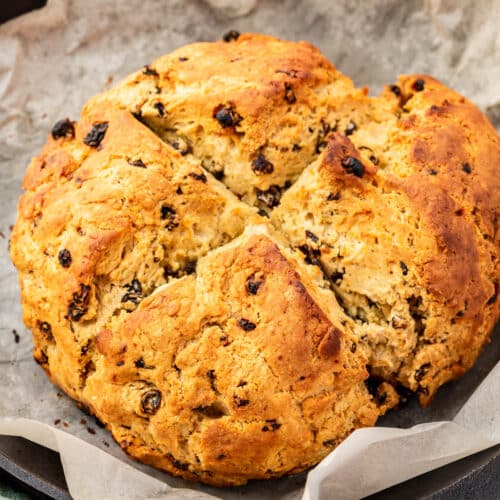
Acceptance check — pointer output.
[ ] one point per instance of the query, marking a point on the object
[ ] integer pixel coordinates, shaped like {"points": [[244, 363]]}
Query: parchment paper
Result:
{"points": [[53, 59]]}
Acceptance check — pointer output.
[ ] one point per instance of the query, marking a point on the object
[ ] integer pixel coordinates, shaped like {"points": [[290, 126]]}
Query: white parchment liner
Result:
{"points": [[53, 59]]}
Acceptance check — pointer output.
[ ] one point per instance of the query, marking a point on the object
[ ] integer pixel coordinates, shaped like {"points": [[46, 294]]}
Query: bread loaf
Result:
{"points": [[225, 247]]}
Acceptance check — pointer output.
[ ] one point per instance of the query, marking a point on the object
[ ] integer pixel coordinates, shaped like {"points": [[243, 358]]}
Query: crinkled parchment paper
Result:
{"points": [[53, 59]]}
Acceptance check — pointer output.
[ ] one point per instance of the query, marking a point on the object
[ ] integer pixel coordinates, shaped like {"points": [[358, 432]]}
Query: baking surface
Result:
{"points": [[52, 60]]}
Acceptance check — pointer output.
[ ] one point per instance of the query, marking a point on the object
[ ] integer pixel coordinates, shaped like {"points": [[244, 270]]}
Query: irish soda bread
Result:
{"points": [[230, 242]]}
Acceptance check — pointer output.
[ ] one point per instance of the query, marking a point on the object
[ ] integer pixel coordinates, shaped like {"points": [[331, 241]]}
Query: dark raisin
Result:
{"points": [[136, 163], [134, 286], [246, 325], [182, 146], [242, 383], [329, 442], [415, 306], [160, 108], [227, 116], [353, 166], [213, 410], [151, 401], [134, 293], [189, 267], [265, 428], [218, 174], [96, 135], [170, 215], [418, 85], [199, 177], [85, 348], [212, 377], [176, 463], [231, 35], [46, 329], [466, 168], [432, 171], [64, 257], [333, 196], [63, 128], [351, 127], [179, 190], [139, 363], [17, 338], [261, 165], [325, 129], [240, 402], [79, 305], [353, 347], [395, 90], [296, 147], [148, 70], [274, 425], [310, 235], [312, 255], [271, 197], [253, 285], [404, 268], [289, 94]]}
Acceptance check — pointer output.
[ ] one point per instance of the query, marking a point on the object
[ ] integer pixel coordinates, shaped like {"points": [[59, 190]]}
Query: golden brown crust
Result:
{"points": [[265, 117], [424, 220], [219, 353], [234, 369]]}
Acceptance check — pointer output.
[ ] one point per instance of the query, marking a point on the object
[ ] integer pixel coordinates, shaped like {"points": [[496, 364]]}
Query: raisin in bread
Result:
{"points": [[225, 247]]}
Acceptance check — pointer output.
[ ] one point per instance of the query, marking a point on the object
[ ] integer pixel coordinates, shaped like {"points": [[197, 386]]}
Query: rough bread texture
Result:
{"points": [[250, 369], [230, 241], [411, 244], [255, 111]]}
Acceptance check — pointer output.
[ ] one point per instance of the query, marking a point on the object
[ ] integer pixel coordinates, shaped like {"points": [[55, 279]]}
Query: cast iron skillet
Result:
{"points": [[37, 471]]}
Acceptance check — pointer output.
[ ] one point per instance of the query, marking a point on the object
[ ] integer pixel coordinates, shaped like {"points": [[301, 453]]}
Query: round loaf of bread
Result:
{"points": [[231, 241]]}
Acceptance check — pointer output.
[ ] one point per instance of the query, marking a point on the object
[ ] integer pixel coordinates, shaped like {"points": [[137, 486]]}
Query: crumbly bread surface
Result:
{"points": [[216, 257], [411, 246], [253, 366]]}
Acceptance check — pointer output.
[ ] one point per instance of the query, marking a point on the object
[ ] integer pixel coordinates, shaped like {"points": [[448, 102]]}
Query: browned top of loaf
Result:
{"points": [[222, 345]]}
